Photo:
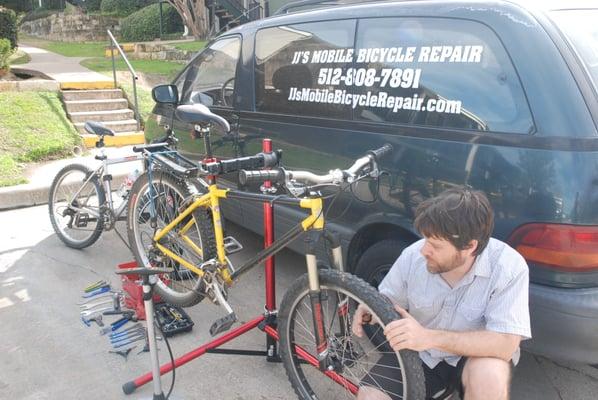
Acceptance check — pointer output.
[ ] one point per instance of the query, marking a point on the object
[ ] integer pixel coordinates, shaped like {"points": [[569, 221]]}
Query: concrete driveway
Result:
{"points": [[47, 352]]}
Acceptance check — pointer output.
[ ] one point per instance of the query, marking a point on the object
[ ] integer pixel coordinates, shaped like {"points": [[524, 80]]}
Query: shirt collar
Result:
{"points": [[481, 266]]}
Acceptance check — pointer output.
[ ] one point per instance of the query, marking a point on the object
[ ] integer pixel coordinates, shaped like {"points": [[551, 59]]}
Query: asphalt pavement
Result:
{"points": [[48, 353]]}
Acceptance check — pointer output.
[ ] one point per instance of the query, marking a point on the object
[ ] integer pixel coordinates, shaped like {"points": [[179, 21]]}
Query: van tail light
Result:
{"points": [[571, 248]]}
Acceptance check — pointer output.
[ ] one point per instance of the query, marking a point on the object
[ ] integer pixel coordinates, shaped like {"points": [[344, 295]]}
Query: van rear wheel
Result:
{"points": [[372, 267], [377, 260]]}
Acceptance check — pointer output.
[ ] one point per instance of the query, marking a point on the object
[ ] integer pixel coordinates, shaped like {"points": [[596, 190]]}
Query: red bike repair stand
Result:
{"points": [[266, 322]]}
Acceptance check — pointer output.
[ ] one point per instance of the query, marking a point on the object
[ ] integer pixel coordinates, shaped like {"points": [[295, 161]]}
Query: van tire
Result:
{"points": [[376, 261]]}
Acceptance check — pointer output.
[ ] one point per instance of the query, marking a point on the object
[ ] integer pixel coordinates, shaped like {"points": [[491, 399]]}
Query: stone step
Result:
{"points": [[117, 126], [95, 105], [102, 94], [100, 116], [120, 139]]}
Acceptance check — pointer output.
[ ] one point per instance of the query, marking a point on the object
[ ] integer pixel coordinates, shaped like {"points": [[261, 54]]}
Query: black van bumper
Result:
{"points": [[564, 323]]}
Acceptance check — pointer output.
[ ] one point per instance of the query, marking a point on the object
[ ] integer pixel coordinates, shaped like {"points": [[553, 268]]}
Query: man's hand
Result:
{"points": [[407, 333], [361, 316]]}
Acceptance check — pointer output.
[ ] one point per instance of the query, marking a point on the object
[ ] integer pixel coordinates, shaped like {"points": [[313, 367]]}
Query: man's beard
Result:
{"points": [[453, 263]]}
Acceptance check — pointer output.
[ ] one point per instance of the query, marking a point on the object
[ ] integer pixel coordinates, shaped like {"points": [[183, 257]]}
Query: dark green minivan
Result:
{"points": [[500, 96]]}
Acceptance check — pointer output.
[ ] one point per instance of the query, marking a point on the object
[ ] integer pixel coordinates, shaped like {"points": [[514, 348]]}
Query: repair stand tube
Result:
{"points": [[151, 336], [271, 344]]}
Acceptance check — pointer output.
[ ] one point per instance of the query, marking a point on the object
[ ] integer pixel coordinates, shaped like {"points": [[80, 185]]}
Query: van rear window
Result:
{"points": [[582, 31]]}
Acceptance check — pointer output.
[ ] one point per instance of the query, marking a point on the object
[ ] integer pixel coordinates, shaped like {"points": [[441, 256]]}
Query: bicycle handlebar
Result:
{"points": [[260, 160], [333, 177]]}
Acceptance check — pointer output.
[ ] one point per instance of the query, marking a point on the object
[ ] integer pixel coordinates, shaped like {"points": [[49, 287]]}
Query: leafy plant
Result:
{"points": [[5, 53], [90, 5], [145, 23], [16, 5], [8, 26], [122, 8]]}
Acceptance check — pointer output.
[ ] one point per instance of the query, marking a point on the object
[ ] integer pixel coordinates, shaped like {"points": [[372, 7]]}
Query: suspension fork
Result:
{"points": [[315, 297], [342, 308]]}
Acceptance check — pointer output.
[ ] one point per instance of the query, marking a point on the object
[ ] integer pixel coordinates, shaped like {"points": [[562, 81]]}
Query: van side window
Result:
{"points": [[210, 77], [437, 72], [289, 61]]}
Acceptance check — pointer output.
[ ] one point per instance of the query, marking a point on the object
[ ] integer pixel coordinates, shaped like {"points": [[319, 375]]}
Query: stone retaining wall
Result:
{"points": [[72, 27], [157, 51]]}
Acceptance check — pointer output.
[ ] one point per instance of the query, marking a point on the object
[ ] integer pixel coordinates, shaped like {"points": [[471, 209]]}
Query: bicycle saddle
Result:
{"points": [[97, 128], [199, 114]]}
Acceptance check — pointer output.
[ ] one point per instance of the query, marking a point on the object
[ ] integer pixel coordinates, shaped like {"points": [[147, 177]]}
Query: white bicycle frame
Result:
{"points": [[106, 184]]}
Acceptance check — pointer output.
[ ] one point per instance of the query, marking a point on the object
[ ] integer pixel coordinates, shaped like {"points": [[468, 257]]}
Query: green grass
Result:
{"points": [[190, 46], [144, 96], [33, 127], [20, 57], [166, 68], [68, 49]]}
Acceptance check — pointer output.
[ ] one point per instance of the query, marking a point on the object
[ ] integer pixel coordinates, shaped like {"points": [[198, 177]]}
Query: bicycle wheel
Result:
{"points": [[357, 363], [163, 196], [75, 206]]}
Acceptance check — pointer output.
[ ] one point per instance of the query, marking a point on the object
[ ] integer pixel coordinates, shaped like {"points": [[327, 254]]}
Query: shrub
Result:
{"points": [[5, 52], [122, 8], [8, 26], [90, 5], [16, 5], [53, 4], [145, 23]]}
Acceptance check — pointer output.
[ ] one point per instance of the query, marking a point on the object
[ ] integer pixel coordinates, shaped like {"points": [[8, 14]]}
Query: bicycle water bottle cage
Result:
{"points": [[200, 114]]}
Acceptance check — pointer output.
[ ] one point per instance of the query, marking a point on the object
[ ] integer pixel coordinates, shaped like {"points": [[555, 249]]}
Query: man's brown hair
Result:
{"points": [[457, 215]]}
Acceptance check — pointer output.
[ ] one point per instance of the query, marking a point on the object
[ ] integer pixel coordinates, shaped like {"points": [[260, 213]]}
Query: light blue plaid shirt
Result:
{"points": [[492, 296]]}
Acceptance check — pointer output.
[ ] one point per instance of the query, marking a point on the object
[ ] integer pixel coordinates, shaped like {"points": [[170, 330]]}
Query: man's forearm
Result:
{"points": [[475, 343]]}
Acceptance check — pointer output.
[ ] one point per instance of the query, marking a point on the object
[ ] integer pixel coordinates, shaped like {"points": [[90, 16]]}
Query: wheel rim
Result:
{"points": [[168, 199], [356, 356], [76, 219]]}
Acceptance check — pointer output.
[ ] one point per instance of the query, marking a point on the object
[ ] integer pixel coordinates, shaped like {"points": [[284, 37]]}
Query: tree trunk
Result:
{"points": [[194, 15]]}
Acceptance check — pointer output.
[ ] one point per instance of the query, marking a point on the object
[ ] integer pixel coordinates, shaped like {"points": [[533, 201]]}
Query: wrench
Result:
{"points": [[114, 326], [127, 334], [117, 333], [129, 342], [95, 292], [89, 313], [93, 305]]}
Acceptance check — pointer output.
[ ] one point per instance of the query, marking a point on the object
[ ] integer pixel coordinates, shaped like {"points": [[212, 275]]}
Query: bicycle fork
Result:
{"points": [[315, 293]]}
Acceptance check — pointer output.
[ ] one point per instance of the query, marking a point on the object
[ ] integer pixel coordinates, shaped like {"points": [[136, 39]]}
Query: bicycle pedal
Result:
{"points": [[81, 220], [223, 324], [232, 245]]}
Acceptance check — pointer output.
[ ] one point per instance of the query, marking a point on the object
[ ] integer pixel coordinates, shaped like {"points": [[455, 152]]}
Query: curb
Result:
{"points": [[88, 85], [118, 140], [29, 195]]}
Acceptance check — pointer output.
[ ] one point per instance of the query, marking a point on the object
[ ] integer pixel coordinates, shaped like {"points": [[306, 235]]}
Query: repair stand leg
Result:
{"points": [[151, 334]]}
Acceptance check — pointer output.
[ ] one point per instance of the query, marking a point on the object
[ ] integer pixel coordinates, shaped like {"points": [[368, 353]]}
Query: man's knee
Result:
{"points": [[486, 378]]}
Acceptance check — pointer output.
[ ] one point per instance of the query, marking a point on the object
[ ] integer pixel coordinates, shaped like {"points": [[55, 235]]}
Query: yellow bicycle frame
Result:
{"points": [[315, 220]]}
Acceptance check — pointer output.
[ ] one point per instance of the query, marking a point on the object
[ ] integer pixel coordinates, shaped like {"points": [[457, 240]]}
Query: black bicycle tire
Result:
{"points": [[361, 290], [204, 226], [97, 232]]}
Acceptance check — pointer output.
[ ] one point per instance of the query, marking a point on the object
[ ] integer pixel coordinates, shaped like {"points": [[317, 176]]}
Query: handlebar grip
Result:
{"points": [[153, 146], [248, 177], [260, 160], [381, 152]]}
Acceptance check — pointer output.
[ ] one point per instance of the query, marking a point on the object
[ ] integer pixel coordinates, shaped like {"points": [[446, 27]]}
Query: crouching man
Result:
{"points": [[463, 301]]}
